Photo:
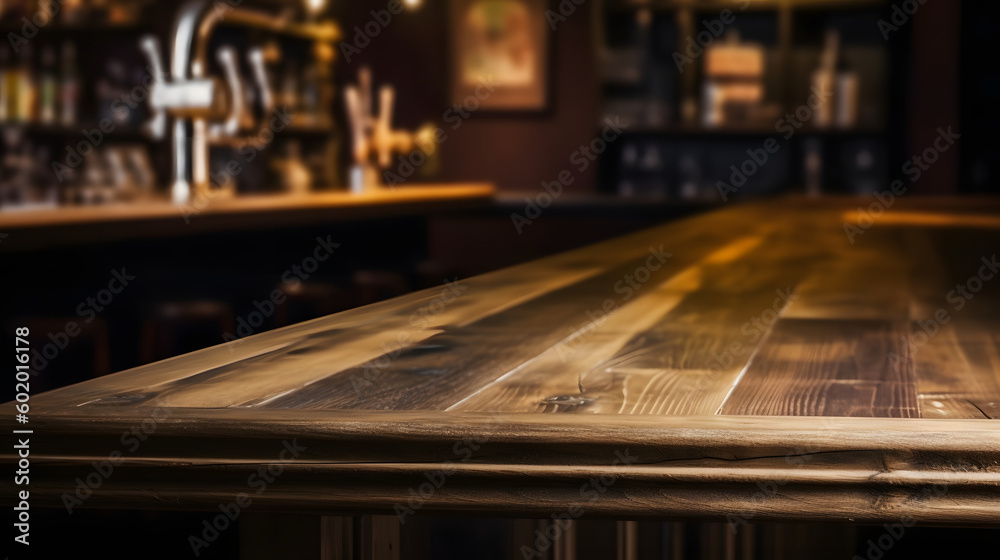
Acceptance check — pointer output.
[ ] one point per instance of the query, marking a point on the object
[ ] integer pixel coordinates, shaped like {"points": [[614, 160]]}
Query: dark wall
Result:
{"points": [[934, 91], [980, 97], [516, 151]]}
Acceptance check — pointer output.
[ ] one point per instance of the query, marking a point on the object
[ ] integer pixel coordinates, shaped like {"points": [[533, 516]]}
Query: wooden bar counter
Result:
{"points": [[73, 225], [789, 359]]}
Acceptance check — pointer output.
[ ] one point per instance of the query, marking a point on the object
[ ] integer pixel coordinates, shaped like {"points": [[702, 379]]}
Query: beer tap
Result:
{"points": [[374, 141], [213, 109]]}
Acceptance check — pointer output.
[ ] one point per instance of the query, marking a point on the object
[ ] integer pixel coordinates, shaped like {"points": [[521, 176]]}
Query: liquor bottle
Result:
{"points": [[310, 91], [846, 95], [324, 78], [290, 86], [824, 78], [69, 86], [48, 87], [813, 167], [5, 72], [24, 86]]}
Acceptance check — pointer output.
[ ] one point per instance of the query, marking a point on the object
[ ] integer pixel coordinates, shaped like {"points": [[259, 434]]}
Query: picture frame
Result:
{"points": [[500, 54]]}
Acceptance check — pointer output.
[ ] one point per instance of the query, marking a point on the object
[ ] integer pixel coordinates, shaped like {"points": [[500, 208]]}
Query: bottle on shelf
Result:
{"points": [[310, 92], [73, 12], [325, 57], [813, 167], [691, 184], [69, 86], [47, 10], [824, 78], [25, 91], [846, 95], [733, 83], [47, 87], [5, 72], [295, 175], [290, 88]]}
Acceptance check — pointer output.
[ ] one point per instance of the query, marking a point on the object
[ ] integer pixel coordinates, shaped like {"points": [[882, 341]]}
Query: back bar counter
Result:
{"points": [[846, 360]]}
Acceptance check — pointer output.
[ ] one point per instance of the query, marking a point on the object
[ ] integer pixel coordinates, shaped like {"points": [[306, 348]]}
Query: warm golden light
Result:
{"points": [[315, 6]]}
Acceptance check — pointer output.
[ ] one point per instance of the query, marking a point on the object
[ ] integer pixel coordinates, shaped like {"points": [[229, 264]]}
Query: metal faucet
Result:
{"points": [[189, 94], [373, 138]]}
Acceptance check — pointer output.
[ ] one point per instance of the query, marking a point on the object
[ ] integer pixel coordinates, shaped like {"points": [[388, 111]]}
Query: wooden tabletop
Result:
{"points": [[790, 359]]}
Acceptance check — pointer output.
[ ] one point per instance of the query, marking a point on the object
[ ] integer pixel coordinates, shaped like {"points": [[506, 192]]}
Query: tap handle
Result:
{"points": [[227, 59], [256, 59], [383, 126], [157, 126], [352, 97], [365, 98]]}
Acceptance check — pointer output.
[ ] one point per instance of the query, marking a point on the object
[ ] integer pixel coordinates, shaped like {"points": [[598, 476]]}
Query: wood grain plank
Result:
{"points": [[929, 281], [829, 367], [955, 358], [566, 379], [856, 288], [555, 380], [234, 374], [958, 405], [418, 379]]}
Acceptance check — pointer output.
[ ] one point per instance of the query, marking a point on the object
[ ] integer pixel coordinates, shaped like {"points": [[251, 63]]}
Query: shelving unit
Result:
{"points": [[653, 78], [106, 65], [108, 52]]}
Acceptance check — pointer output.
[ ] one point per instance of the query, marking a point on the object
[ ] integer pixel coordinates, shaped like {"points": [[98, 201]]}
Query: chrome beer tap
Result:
{"points": [[215, 108]]}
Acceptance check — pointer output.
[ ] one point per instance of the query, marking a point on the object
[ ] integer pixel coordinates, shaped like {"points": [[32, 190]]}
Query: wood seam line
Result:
{"points": [[724, 254]]}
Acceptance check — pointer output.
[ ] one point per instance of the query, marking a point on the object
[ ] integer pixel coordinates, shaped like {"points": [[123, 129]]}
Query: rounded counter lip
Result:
{"points": [[13, 219], [40, 229], [866, 470]]}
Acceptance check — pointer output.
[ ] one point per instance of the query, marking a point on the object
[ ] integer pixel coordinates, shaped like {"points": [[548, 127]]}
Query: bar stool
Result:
{"points": [[375, 285], [65, 350], [308, 300], [176, 327]]}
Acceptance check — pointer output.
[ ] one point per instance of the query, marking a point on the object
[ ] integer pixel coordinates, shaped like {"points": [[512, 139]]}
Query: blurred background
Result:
{"points": [[176, 175]]}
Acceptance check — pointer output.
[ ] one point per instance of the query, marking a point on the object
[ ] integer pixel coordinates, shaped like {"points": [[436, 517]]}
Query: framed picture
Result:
{"points": [[504, 45]]}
